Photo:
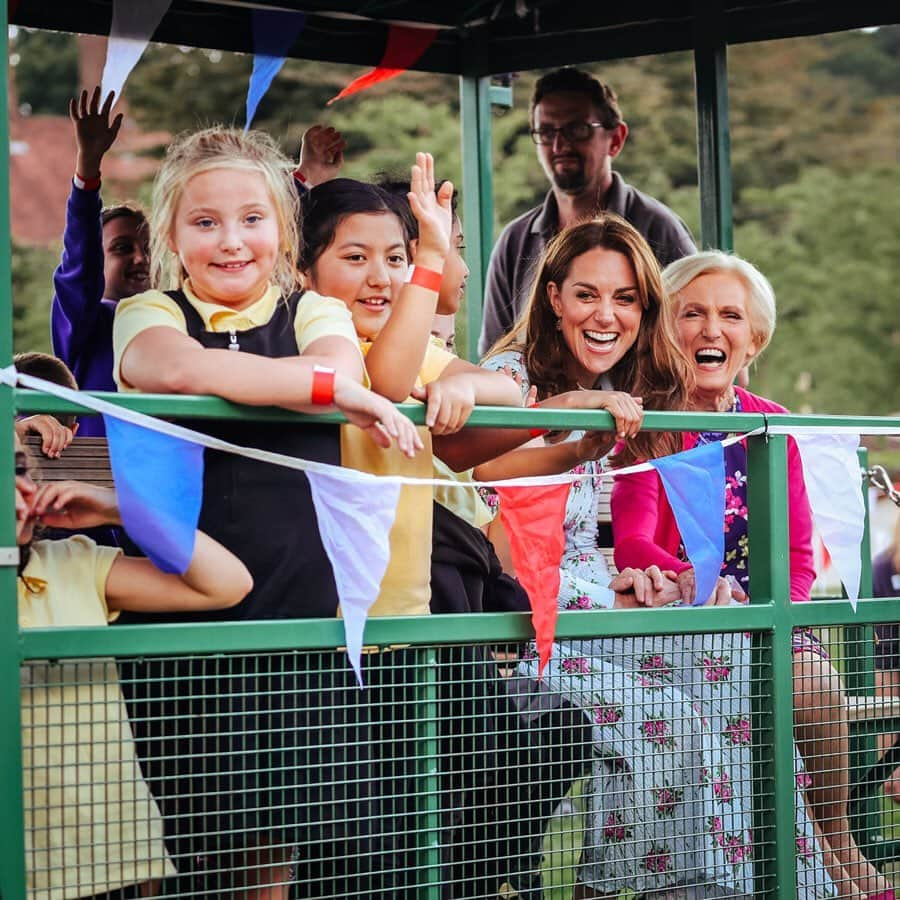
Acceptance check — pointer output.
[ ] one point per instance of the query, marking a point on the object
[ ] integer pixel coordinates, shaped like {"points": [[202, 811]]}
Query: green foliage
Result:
{"points": [[815, 129], [831, 251], [32, 286], [47, 70]]}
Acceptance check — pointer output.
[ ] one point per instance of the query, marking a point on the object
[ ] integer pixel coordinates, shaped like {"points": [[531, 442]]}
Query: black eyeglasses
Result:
{"points": [[573, 132]]}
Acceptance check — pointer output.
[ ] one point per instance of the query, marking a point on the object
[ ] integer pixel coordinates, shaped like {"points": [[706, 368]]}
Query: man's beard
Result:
{"points": [[571, 181]]}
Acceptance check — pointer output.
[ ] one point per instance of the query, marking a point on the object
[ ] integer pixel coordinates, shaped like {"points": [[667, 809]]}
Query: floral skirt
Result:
{"points": [[670, 798]]}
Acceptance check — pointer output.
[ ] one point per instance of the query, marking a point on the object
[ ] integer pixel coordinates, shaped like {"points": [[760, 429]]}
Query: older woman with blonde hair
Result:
{"points": [[665, 812], [722, 310]]}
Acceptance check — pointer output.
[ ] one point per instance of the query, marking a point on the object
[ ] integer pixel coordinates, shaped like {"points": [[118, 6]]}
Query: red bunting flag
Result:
{"points": [[405, 47], [533, 519]]}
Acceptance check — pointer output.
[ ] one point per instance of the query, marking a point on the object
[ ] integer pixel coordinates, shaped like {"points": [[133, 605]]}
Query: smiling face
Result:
{"points": [[574, 167], [599, 311], [365, 266], [126, 257], [226, 235], [714, 330]]}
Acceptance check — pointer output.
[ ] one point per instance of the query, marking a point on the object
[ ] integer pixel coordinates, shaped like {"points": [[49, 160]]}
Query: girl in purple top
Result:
{"points": [[105, 257]]}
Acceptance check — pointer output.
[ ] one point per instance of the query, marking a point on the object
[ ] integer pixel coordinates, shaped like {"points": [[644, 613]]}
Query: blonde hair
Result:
{"points": [[761, 298], [222, 148], [653, 368]]}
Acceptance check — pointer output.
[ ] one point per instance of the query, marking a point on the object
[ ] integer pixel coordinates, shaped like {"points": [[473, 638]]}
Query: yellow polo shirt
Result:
{"points": [[91, 824], [317, 317], [406, 586]]}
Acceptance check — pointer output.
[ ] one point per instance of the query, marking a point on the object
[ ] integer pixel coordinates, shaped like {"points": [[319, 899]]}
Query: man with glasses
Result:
{"points": [[578, 130]]}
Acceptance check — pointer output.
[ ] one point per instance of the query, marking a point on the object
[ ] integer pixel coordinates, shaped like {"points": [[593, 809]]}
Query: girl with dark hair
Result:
{"points": [[106, 257]]}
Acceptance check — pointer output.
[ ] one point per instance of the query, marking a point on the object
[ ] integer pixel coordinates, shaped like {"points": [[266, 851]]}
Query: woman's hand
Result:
{"points": [[726, 592], [450, 401], [94, 133], [376, 415], [433, 212], [594, 445], [321, 154], [75, 504], [644, 588], [55, 436]]}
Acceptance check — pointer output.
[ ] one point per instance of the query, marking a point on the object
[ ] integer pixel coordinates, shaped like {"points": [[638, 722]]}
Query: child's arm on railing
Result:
{"points": [[215, 579]]}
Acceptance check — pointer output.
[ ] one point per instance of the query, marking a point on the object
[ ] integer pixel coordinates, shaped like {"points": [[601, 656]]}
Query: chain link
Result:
{"points": [[879, 478]]}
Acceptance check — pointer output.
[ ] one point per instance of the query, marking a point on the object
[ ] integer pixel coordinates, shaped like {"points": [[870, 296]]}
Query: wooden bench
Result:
{"points": [[85, 459]]}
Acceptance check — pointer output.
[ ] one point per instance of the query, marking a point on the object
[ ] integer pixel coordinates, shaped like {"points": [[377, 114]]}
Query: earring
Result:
{"points": [[559, 323]]}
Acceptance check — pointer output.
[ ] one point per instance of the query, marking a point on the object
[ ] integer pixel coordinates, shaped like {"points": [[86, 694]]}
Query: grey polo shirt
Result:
{"points": [[514, 258]]}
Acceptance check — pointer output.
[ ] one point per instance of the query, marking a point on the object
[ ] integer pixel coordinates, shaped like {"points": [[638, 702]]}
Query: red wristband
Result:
{"points": [[425, 278], [322, 386], [86, 184], [536, 432]]}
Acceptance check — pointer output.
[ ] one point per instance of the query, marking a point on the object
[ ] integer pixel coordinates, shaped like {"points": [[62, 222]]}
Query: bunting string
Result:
{"points": [[11, 377]]}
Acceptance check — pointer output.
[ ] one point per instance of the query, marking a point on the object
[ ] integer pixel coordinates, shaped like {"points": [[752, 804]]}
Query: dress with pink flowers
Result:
{"points": [[669, 803]]}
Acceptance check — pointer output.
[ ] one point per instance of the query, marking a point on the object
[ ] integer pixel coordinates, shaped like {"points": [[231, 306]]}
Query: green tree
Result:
{"points": [[47, 69], [32, 287], [835, 266]]}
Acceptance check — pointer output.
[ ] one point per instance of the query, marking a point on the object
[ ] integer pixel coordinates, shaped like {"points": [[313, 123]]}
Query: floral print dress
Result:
{"points": [[670, 797]]}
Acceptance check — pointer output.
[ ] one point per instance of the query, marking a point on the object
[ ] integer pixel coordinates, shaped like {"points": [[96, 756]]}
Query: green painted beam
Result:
{"points": [[477, 187], [12, 848], [185, 406], [773, 712], [713, 142]]}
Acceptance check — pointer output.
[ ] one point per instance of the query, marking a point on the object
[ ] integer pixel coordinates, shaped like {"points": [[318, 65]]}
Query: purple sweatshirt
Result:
{"points": [[81, 320]]}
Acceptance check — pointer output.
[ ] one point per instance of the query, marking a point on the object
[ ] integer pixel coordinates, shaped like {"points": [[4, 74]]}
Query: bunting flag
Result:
{"points": [[355, 527], [834, 485], [533, 519], [132, 27], [694, 482], [274, 33], [159, 482], [405, 47]]}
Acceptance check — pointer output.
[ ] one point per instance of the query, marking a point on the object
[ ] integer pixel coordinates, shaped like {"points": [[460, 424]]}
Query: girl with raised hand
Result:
{"points": [[74, 720], [357, 249], [224, 225], [105, 258]]}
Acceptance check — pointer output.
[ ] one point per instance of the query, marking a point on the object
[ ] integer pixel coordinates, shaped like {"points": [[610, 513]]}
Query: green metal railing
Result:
{"points": [[770, 619]]}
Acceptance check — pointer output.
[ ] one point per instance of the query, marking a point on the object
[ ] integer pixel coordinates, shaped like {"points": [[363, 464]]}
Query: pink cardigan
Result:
{"points": [[645, 530]]}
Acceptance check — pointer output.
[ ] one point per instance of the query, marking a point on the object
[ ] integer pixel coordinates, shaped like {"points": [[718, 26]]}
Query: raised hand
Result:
{"points": [[433, 211], [321, 154], [94, 133]]}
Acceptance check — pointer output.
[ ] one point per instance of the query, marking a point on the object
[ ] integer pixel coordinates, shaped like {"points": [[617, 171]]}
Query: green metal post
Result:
{"points": [[477, 195], [773, 711], [428, 780], [12, 848], [859, 679], [713, 143]]}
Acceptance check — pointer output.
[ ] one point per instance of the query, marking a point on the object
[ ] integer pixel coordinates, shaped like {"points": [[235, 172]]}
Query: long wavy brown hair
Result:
{"points": [[653, 368]]}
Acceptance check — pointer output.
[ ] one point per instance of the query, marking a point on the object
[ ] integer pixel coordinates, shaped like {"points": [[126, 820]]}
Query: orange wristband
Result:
{"points": [[537, 432], [322, 386], [425, 278]]}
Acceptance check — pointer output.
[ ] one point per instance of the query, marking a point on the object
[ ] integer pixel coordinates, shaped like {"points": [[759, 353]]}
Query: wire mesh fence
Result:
{"points": [[637, 767]]}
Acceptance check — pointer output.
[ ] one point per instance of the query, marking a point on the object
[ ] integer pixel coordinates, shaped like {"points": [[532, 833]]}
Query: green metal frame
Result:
{"points": [[771, 617]]}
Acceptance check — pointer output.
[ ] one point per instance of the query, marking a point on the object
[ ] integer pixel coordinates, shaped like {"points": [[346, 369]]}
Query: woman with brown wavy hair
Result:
{"points": [[667, 814]]}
